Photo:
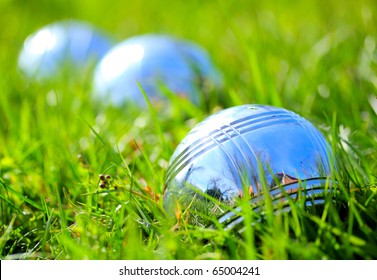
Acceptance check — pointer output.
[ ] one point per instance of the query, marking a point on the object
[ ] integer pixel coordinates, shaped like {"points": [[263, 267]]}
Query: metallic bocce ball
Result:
{"points": [[64, 45], [254, 149], [154, 64]]}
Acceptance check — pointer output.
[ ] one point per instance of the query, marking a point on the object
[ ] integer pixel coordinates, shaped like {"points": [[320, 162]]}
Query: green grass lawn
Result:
{"points": [[316, 58]]}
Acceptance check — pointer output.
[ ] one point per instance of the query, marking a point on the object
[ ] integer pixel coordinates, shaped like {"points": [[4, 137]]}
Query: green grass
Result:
{"points": [[317, 58]]}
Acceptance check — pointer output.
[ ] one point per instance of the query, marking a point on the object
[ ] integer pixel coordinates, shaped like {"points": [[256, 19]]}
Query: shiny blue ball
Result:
{"points": [[258, 149], [67, 44], [155, 63]]}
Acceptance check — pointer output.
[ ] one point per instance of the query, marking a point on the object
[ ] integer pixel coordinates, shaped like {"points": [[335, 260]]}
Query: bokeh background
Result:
{"points": [[266, 50]]}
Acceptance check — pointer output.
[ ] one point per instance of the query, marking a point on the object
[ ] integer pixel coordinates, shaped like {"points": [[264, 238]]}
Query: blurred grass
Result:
{"points": [[317, 58]]}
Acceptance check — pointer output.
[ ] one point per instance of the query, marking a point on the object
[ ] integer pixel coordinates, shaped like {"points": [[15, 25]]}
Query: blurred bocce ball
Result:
{"points": [[70, 45], [248, 148], [156, 63]]}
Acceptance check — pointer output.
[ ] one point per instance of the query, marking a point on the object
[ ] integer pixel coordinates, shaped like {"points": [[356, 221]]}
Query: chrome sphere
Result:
{"points": [[67, 43], [251, 148], [154, 62]]}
